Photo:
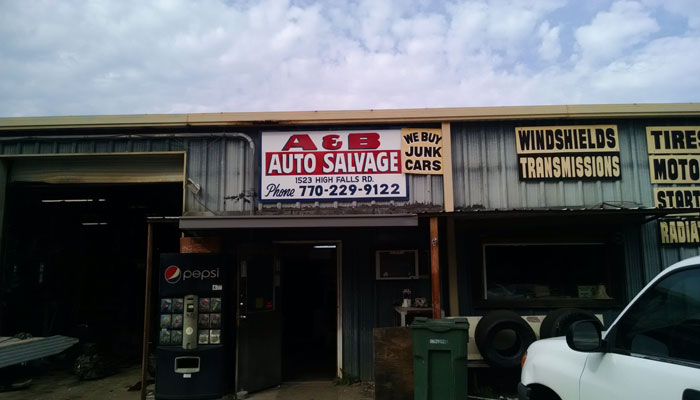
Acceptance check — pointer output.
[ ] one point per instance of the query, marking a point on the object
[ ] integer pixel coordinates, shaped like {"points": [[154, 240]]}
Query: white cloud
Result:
{"points": [[626, 24], [686, 9], [550, 48], [665, 67], [95, 57]]}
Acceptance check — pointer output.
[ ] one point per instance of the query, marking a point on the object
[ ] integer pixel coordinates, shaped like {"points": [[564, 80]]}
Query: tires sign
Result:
{"points": [[332, 165]]}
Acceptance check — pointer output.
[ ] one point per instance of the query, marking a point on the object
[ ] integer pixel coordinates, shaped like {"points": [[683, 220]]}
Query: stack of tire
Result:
{"points": [[502, 336]]}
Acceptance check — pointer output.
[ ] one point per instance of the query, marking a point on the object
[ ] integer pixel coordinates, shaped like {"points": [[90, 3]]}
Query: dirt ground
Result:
{"points": [[63, 385]]}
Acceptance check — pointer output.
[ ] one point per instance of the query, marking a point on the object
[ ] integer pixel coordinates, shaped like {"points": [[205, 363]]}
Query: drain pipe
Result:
{"points": [[225, 135]]}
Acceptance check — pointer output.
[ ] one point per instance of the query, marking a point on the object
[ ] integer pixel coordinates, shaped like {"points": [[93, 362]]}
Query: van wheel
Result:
{"points": [[502, 337], [557, 322]]}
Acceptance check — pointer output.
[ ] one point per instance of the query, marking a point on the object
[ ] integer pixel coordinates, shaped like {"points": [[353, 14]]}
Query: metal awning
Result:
{"points": [[597, 214], [297, 221]]}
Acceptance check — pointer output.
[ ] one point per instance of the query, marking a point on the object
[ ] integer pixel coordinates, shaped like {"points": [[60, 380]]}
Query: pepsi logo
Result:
{"points": [[172, 274]]}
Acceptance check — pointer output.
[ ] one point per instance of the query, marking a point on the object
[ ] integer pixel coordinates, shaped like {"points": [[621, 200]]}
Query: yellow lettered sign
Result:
{"points": [[677, 197], [673, 139], [675, 168], [567, 139], [421, 151], [680, 232], [570, 152]]}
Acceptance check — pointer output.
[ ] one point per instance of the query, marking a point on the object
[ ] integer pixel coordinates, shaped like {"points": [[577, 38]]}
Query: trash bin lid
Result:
{"points": [[441, 324]]}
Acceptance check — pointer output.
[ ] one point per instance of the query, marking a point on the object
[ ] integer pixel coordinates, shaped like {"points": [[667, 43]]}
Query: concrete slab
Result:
{"points": [[316, 391]]}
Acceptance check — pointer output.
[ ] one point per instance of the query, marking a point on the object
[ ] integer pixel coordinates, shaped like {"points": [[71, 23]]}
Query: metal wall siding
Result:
{"points": [[219, 165], [485, 169], [634, 262], [650, 247]]}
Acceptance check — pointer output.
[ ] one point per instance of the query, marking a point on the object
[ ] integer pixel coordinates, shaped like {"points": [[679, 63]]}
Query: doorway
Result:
{"points": [[74, 260], [309, 304]]}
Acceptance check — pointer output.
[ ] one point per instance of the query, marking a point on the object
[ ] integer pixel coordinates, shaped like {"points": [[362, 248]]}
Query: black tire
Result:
{"points": [[502, 337], [557, 322]]}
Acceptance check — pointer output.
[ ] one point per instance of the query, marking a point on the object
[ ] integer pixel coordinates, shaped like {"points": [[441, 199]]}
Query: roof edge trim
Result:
{"points": [[337, 117]]}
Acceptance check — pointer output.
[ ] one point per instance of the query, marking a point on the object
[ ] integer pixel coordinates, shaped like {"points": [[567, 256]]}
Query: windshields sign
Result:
{"points": [[332, 165]]}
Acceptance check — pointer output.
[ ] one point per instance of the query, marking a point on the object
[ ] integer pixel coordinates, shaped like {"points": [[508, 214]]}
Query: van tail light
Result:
{"points": [[522, 360]]}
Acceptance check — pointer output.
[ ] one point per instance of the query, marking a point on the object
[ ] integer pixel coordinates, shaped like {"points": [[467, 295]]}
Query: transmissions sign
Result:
{"points": [[568, 153], [332, 165]]}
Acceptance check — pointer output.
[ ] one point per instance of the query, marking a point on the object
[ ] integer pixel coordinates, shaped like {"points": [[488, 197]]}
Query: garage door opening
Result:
{"points": [[309, 311], [74, 260]]}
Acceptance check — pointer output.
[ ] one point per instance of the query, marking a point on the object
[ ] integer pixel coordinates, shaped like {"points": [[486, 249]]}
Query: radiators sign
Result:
{"points": [[568, 152], [674, 159], [332, 165]]}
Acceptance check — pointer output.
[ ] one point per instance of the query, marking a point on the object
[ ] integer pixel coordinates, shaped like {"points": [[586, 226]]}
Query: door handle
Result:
{"points": [[691, 394]]}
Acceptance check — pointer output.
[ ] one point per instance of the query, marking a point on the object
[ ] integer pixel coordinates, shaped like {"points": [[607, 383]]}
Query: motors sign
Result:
{"points": [[332, 165]]}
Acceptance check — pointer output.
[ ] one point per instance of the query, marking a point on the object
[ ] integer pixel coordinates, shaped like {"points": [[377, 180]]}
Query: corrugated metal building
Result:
{"points": [[209, 170]]}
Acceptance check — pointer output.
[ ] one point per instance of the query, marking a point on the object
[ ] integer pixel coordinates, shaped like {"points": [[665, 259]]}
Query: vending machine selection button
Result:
{"points": [[203, 321], [215, 336], [164, 336], [204, 304], [177, 321], [165, 321], [175, 337], [166, 305], [178, 305], [216, 304]]}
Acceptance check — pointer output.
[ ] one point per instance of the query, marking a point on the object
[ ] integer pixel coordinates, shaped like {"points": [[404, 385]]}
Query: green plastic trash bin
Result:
{"points": [[439, 358]]}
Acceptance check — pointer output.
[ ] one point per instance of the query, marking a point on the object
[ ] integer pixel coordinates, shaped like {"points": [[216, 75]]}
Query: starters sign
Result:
{"points": [[332, 165]]}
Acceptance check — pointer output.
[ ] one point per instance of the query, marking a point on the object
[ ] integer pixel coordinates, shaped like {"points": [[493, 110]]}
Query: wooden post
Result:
{"points": [[435, 265], [146, 312]]}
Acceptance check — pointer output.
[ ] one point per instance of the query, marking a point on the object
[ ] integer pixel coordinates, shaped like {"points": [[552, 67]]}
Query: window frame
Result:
{"points": [[612, 335], [614, 282]]}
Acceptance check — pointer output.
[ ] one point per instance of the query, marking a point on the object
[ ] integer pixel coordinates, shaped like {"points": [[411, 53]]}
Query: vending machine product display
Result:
{"points": [[194, 356]]}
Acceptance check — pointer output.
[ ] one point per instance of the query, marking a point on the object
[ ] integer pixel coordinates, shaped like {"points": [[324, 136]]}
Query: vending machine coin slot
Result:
{"points": [[189, 323]]}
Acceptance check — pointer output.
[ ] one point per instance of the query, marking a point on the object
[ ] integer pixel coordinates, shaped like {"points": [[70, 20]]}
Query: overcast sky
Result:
{"points": [[83, 57]]}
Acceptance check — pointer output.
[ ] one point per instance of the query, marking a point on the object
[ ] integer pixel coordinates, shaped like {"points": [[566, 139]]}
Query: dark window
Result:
{"points": [[549, 274], [665, 321]]}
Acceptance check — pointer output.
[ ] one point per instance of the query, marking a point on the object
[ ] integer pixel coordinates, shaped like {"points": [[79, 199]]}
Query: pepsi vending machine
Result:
{"points": [[194, 342]]}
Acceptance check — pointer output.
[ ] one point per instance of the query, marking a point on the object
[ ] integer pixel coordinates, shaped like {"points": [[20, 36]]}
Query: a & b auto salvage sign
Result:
{"points": [[332, 165]]}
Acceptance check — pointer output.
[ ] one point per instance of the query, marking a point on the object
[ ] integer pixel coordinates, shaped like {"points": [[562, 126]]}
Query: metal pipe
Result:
{"points": [[146, 310], [226, 135], [132, 136]]}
